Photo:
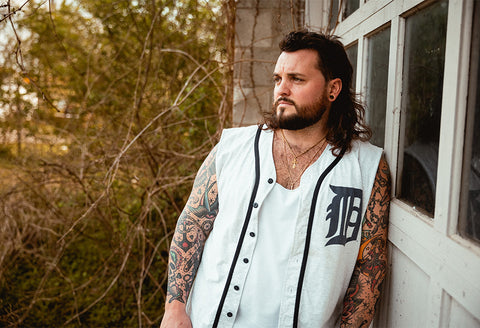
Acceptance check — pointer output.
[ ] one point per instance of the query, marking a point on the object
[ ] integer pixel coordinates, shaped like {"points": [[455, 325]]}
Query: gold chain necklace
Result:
{"points": [[293, 181], [295, 156]]}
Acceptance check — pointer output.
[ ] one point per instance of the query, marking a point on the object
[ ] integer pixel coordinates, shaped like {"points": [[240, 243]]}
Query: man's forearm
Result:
{"points": [[185, 254], [364, 291]]}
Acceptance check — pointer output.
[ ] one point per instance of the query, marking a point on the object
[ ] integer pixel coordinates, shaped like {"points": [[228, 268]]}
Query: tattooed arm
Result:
{"points": [[365, 285], [193, 228]]}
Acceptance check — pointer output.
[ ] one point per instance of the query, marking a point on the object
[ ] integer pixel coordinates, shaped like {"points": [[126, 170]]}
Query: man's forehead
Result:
{"points": [[297, 61]]}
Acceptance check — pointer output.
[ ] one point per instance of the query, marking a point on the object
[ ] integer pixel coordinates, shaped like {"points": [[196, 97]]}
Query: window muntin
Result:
{"points": [[376, 84], [469, 223], [423, 70]]}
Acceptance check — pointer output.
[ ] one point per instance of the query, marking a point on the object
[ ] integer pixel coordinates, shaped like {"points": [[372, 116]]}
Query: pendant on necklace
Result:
{"points": [[294, 162]]}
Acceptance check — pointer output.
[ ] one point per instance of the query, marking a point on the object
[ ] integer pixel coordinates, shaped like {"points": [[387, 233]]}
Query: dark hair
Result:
{"points": [[345, 122]]}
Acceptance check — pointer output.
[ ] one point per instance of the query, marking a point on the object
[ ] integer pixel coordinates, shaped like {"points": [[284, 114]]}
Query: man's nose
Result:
{"points": [[282, 89]]}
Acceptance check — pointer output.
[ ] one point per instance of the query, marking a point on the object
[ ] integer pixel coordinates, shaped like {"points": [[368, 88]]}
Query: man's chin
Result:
{"points": [[285, 105], [285, 111]]}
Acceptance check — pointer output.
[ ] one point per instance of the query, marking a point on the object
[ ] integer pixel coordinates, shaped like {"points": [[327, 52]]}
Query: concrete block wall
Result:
{"points": [[259, 27]]}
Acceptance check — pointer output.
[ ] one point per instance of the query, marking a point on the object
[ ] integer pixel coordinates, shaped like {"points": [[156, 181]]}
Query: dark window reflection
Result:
{"points": [[377, 81], [333, 15], [350, 7], [470, 218], [424, 59], [352, 52]]}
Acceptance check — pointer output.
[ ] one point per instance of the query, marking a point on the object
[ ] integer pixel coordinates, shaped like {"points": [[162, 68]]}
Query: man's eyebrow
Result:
{"points": [[293, 74]]}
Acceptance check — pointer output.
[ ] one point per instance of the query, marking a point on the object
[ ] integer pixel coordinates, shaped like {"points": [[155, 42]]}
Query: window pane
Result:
{"points": [[333, 15], [424, 59], [352, 56], [350, 7], [377, 80], [470, 219]]}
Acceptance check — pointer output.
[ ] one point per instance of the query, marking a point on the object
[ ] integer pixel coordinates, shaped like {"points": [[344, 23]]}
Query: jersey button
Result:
{"points": [[229, 314], [236, 287], [255, 205], [252, 234], [245, 260], [270, 181]]}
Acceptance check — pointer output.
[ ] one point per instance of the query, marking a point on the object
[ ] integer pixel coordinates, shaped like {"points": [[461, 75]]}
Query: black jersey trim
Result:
{"points": [[309, 235]]}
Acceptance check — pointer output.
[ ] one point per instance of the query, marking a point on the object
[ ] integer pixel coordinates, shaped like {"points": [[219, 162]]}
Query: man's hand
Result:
{"points": [[175, 316]]}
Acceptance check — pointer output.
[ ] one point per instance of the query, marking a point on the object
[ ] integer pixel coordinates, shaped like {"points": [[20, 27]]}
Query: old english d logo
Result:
{"points": [[344, 214]]}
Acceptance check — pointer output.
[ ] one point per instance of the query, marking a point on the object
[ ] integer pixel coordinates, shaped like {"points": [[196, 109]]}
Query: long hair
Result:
{"points": [[346, 118]]}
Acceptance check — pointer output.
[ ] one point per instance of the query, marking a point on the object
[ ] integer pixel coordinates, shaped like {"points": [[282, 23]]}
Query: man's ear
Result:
{"points": [[334, 88]]}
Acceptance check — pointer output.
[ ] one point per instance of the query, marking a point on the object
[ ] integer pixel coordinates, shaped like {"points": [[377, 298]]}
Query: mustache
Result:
{"points": [[288, 100]]}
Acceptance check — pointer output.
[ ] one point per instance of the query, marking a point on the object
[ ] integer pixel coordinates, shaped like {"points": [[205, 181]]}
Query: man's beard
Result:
{"points": [[303, 117]]}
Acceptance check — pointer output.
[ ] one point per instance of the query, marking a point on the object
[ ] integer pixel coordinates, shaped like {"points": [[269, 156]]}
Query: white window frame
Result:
{"points": [[449, 259]]}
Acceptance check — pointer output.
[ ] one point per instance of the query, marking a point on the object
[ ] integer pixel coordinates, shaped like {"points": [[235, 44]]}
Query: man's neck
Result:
{"points": [[305, 138]]}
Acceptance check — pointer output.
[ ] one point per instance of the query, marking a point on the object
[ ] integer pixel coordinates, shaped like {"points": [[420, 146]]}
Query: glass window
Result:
{"points": [[333, 15], [423, 68], [352, 52], [350, 7], [377, 81], [470, 218]]}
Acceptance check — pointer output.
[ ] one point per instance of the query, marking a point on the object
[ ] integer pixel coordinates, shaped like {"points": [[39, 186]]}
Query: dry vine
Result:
{"points": [[38, 226]]}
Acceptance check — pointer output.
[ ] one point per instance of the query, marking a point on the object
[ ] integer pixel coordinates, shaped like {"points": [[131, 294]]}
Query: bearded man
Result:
{"points": [[286, 224]]}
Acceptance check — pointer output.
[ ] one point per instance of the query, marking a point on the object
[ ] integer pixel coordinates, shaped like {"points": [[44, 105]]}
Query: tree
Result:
{"points": [[132, 96]]}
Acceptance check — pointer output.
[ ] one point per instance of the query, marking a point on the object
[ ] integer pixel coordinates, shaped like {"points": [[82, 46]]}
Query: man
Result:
{"points": [[295, 212]]}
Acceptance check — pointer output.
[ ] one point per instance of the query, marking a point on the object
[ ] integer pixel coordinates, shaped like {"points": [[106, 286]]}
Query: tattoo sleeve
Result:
{"points": [[370, 270], [193, 227]]}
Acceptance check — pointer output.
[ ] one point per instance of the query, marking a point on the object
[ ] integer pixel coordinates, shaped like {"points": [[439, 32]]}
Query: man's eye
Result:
{"points": [[276, 79], [297, 79]]}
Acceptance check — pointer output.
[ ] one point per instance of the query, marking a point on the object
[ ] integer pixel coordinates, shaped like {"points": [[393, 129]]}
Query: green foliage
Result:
{"points": [[118, 102]]}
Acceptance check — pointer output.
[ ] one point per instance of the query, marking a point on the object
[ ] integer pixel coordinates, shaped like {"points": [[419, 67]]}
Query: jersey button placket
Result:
{"points": [[241, 269]]}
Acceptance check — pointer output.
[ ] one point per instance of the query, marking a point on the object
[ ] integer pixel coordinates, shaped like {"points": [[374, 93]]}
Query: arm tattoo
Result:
{"points": [[370, 270], [193, 228]]}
